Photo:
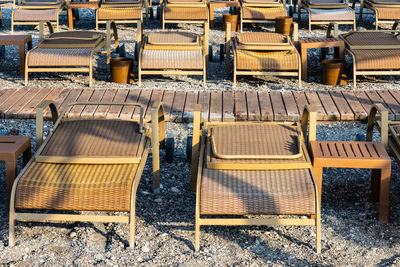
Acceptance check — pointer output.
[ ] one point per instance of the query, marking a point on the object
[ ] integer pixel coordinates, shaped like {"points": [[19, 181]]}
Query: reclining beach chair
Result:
{"points": [[254, 168], [184, 11], [327, 11], [121, 11], [172, 52], [386, 11], [263, 53], [71, 51], [32, 12], [91, 165], [261, 11], [374, 52]]}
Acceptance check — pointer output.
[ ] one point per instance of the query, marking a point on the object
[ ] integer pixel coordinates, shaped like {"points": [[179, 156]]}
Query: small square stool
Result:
{"points": [[11, 147], [363, 155]]}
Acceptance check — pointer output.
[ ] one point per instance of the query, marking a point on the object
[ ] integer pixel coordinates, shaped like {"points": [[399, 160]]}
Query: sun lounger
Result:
{"points": [[71, 51], [374, 52], [263, 53], [121, 11], [326, 12], [91, 165], [172, 52], [32, 12], [261, 11], [184, 11], [254, 169], [386, 11]]}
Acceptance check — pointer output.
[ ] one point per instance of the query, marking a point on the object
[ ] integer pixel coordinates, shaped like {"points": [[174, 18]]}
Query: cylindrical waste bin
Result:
{"points": [[232, 19], [121, 70], [333, 72], [283, 24]]}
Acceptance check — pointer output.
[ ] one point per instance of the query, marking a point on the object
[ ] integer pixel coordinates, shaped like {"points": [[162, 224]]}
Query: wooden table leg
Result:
{"points": [[70, 19], [211, 16], [303, 54], [26, 156], [11, 172], [384, 193], [375, 184], [21, 47], [318, 175]]}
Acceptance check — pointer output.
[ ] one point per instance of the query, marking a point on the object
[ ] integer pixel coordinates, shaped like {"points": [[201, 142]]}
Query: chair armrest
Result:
{"points": [[195, 147], [384, 127], [309, 121], [41, 29], [335, 27], [294, 32], [158, 122], [39, 119]]}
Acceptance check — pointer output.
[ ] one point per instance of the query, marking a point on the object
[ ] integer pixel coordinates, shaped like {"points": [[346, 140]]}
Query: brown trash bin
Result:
{"points": [[122, 70], [283, 24], [334, 72], [232, 19]]}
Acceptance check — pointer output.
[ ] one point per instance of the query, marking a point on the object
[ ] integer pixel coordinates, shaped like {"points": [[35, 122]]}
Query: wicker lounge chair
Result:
{"points": [[71, 51], [121, 11], [184, 11], [31, 12], [247, 168], [261, 11], [263, 53], [386, 11], [327, 11], [87, 165], [172, 52], [374, 52]]}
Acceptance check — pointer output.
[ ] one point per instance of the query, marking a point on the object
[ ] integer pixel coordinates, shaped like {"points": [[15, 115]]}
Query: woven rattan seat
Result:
{"points": [[257, 192], [261, 38], [186, 13], [133, 13], [59, 57], [35, 15], [366, 39], [172, 38], [260, 1], [267, 60], [73, 39], [263, 13], [171, 59], [336, 14], [76, 187], [255, 141], [94, 138], [377, 59]]}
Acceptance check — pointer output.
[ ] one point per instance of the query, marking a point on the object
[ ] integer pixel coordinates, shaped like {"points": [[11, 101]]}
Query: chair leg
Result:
{"points": [[132, 223], [11, 229], [318, 231], [197, 234], [375, 184], [384, 193], [318, 175]]}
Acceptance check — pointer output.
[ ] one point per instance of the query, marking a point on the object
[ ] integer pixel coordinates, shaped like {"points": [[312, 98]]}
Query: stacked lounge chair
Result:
{"points": [[327, 11], [31, 12], [386, 11]]}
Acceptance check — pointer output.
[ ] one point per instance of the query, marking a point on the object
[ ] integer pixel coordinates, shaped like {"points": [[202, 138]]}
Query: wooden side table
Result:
{"points": [[364, 155], [11, 147], [221, 3], [19, 40], [305, 44], [77, 5]]}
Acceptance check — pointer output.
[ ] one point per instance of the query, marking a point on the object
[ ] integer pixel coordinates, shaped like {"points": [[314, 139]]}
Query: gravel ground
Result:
{"points": [[217, 78], [351, 233]]}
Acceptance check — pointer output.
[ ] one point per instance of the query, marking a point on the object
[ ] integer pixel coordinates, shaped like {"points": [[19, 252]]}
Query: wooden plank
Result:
{"points": [[396, 95], [28, 111], [253, 106], [21, 103], [204, 101], [390, 102], [364, 100], [314, 100], [331, 111], [355, 105], [11, 101], [119, 97], [5, 94], [75, 111], [71, 97], [133, 96], [191, 101], [156, 97], [102, 110], [375, 98], [277, 106], [240, 106], [216, 106], [59, 99], [168, 100], [291, 106], [178, 106], [144, 100], [344, 109], [267, 114], [301, 101], [88, 111], [228, 106]]}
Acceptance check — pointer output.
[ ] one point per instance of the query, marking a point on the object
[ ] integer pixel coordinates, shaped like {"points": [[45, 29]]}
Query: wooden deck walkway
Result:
{"points": [[216, 105]]}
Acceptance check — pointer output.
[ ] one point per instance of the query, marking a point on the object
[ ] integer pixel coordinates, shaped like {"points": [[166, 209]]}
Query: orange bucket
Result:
{"points": [[122, 70]]}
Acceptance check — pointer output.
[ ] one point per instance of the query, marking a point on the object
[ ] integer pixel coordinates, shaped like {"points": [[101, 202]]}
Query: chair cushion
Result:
{"points": [[172, 59], [337, 14], [390, 13], [377, 59], [35, 14], [272, 192], [120, 13], [46, 57], [361, 40], [186, 13], [172, 38], [263, 13], [73, 39], [267, 60], [260, 1]]}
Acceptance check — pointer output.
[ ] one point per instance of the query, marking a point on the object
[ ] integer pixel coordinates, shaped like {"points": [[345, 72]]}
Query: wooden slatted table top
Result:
{"points": [[10, 39], [321, 42]]}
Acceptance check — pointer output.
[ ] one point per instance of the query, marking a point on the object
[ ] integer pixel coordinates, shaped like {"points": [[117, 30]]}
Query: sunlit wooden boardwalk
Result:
{"points": [[216, 105]]}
